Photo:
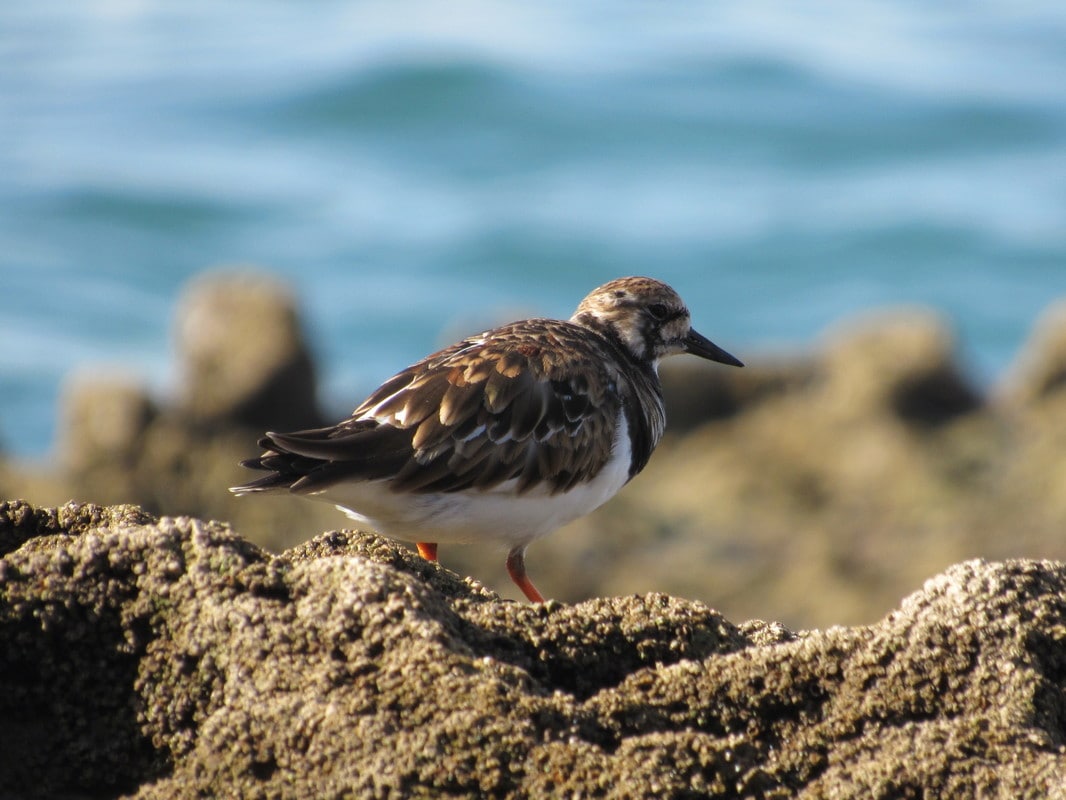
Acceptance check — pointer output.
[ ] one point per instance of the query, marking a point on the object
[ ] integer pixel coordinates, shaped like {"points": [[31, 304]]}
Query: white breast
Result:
{"points": [[493, 515]]}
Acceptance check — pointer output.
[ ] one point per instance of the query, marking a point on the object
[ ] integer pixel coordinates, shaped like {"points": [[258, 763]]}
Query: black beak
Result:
{"points": [[703, 347]]}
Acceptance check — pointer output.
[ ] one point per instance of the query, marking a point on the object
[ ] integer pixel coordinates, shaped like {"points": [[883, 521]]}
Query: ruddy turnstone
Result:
{"points": [[504, 436]]}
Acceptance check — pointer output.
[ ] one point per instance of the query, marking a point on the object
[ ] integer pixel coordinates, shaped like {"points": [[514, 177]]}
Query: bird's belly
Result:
{"points": [[497, 515]]}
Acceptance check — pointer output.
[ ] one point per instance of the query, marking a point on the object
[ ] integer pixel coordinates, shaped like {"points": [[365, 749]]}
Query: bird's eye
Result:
{"points": [[658, 311]]}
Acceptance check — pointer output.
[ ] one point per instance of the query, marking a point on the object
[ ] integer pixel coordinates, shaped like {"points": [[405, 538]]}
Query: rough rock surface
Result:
{"points": [[172, 658]]}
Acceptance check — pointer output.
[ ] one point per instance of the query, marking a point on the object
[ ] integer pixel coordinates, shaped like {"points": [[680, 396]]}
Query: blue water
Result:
{"points": [[426, 167]]}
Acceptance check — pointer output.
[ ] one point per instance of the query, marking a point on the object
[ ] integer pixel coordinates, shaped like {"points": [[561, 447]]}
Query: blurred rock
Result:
{"points": [[103, 418], [903, 362], [1039, 371], [243, 355], [171, 658], [696, 392]]}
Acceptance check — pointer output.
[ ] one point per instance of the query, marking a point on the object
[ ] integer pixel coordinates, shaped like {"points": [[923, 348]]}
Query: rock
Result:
{"points": [[244, 358], [103, 420], [1039, 371], [171, 658], [696, 392], [21, 523], [902, 362]]}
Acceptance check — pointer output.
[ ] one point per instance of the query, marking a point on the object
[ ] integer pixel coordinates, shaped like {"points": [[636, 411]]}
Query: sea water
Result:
{"points": [[420, 170]]}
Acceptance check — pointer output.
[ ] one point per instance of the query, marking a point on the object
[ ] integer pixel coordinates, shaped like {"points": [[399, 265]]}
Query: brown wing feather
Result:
{"points": [[534, 401]]}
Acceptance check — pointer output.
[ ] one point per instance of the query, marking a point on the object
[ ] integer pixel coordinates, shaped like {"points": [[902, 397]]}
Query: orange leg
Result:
{"points": [[516, 568], [428, 550]]}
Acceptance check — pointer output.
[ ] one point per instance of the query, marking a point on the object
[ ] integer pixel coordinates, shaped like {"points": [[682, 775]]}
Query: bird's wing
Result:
{"points": [[535, 403]]}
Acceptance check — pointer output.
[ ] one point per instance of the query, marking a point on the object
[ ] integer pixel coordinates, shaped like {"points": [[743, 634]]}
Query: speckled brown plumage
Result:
{"points": [[534, 400]]}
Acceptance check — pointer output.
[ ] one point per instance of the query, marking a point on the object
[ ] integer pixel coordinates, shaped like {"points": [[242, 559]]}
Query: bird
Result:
{"points": [[506, 435]]}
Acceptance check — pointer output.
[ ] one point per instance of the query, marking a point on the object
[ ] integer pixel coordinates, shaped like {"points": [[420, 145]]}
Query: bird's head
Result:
{"points": [[649, 319]]}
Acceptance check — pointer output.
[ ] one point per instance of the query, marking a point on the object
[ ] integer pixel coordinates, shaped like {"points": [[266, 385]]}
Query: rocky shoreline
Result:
{"points": [[817, 488], [164, 658]]}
